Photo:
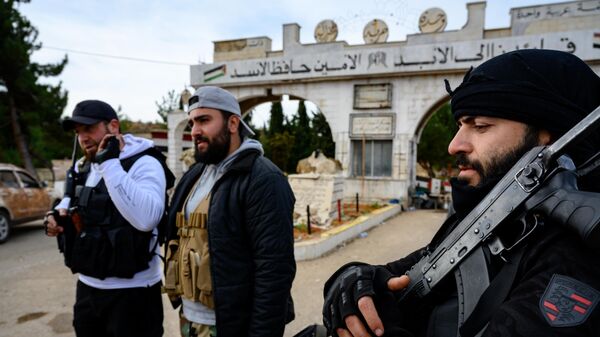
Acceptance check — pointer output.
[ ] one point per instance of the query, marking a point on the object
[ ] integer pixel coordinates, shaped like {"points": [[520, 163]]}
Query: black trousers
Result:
{"points": [[130, 312]]}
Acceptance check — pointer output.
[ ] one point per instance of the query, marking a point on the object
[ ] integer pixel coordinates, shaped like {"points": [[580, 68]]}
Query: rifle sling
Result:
{"points": [[493, 296]]}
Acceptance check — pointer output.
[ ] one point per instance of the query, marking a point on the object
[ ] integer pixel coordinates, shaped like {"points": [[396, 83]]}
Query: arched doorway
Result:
{"points": [[434, 133], [433, 165]]}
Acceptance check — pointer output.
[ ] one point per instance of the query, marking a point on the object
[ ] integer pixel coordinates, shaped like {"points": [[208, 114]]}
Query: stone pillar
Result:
{"points": [[412, 161], [291, 36], [342, 151], [476, 21], [176, 123]]}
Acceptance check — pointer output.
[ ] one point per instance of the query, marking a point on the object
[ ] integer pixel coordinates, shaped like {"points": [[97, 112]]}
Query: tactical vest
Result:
{"points": [[188, 259], [108, 245]]}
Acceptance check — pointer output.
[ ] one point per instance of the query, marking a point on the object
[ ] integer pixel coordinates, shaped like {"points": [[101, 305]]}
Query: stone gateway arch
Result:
{"points": [[378, 96]]}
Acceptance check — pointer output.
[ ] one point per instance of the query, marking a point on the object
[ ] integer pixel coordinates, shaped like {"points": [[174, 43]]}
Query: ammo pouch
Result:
{"points": [[66, 239], [171, 285], [107, 246], [187, 270], [102, 252]]}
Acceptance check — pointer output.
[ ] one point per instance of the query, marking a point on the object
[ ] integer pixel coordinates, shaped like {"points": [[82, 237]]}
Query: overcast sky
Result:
{"points": [[180, 33]]}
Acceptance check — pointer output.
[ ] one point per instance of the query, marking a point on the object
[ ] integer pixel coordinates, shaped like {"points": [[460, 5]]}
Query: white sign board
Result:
{"points": [[372, 125]]}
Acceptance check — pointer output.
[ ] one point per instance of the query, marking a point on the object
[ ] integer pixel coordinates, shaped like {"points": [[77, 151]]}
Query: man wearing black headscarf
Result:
{"points": [[503, 108]]}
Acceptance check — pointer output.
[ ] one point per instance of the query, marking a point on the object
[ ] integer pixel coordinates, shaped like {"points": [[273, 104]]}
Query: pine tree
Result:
{"points": [[285, 141], [276, 123], [322, 139], [303, 135], [279, 145], [30, 108]]}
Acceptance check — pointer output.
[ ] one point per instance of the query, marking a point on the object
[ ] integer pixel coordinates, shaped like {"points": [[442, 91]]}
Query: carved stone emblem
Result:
{"points": [[433, 20], [326, 31], [376, 31], [230, 46]]}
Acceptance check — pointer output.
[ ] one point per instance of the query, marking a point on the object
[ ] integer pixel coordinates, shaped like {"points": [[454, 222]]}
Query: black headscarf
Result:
{"points": [[548, 89]]}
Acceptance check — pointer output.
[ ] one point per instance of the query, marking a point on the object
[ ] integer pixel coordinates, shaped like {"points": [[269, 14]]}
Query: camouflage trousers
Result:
{"points": [[191, 329]]}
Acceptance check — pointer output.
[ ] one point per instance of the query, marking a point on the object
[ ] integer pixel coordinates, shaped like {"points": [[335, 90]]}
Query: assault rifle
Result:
{"points": [[71, 223], [543, 179]]}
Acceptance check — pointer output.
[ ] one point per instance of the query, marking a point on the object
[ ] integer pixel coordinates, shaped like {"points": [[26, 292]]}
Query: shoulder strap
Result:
{"points": [[179, 195], [127, 163], [493, 296]]}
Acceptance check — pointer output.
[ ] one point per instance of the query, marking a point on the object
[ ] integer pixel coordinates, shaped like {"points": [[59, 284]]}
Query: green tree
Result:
{"points": [[267, 135], [168, 103], [279, 147], [264, 139], [303, 134], [322, 138], [285, 141], [276, 123], [30, 108], [432, 152]]}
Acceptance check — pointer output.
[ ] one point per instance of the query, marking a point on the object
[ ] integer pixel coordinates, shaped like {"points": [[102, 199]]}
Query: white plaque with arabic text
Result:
{"points": [[372, 125], [369, 96]]}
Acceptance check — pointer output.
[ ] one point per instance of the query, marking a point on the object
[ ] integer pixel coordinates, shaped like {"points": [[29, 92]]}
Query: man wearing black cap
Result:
{"points": [[230, 253], [116, 202], [503, 108]]}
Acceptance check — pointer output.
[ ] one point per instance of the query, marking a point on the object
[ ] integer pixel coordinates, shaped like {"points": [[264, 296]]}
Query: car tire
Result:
{"points": [[4, 226]]}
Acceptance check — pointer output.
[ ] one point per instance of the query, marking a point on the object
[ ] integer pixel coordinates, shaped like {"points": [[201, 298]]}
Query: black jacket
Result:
{"points": [[250, 234], [553, 250]]}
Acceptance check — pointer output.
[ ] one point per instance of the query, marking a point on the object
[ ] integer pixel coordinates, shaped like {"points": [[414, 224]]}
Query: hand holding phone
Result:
{"points": [[110, 151]]}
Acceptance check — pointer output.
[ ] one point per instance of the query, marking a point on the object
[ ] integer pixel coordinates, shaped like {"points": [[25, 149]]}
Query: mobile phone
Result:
{"points": [[110, 151]]}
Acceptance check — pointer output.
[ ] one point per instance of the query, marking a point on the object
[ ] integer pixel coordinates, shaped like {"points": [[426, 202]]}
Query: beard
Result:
{"points": [[216, 150], [90, 155], [500, 163]]}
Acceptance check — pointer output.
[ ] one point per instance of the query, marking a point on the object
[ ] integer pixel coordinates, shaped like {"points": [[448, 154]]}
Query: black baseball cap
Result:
{"points": [[89, 112]]}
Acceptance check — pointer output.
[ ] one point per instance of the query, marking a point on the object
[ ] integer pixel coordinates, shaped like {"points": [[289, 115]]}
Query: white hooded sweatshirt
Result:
{"points": [[139, 195]]}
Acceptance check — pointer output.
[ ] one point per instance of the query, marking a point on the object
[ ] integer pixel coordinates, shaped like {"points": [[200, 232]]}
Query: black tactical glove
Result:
{"points": [[350, 283], [111, 151]]}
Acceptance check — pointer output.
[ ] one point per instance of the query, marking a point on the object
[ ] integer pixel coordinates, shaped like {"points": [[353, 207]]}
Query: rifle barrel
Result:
{"points": [[573, 136]]}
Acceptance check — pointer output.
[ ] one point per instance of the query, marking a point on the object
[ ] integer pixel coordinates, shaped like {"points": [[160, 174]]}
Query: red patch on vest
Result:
{"points": [[567, 302]]}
